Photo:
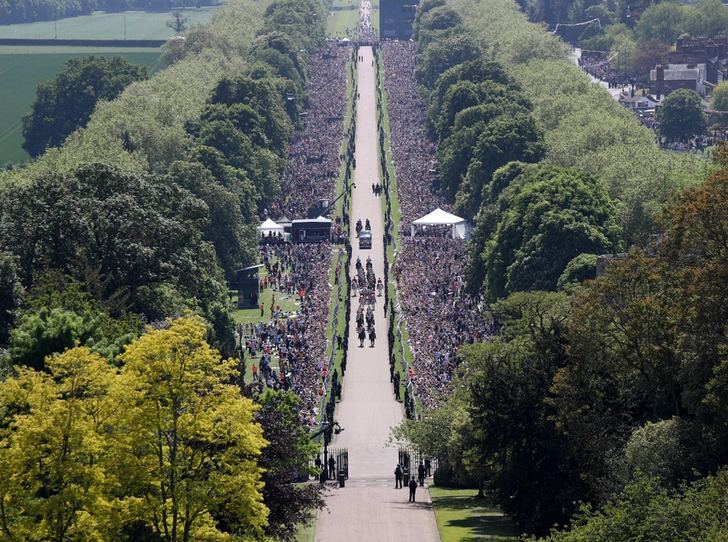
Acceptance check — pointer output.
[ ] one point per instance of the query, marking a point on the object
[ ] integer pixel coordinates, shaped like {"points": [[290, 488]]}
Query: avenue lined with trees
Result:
{"points": [[586, 409]]}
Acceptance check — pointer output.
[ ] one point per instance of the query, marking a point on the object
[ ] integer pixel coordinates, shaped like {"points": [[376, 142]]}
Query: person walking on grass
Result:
{"points": [[413, 489]]}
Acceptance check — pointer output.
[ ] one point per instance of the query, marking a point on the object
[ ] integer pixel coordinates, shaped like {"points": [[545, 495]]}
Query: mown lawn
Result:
{"points": [[348, 18], [463, 518], [23, 68], [133, 25]]}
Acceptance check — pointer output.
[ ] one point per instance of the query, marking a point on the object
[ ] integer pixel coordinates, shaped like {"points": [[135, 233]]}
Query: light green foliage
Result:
{"points": [[648, 512], [720, 101], [585, 127], [144, 128], [444, 54], [66, 102], [664, 21], [681, 115], [162, 447]]}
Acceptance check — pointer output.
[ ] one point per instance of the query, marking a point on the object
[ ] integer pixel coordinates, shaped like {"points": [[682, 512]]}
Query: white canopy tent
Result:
{"points": [[460, 227], [270, 226]]}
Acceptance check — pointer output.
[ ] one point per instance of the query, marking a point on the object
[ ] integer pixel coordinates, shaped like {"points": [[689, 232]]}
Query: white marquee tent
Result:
{"points": [[460, 227], [270, 226]]}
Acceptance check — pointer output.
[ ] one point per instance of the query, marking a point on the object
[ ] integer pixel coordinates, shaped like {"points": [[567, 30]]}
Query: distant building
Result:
{"points": [[665, 79], [396, 18], [713, 52]]}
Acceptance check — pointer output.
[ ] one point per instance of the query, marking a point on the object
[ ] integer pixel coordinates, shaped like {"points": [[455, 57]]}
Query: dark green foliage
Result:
{"points": [[505, 139], [581, 268], [548, 216], [25, 11], [532, 470], [140, 234], [443, 54], [681, 115], [289, 453], [445, 476], [10, 295], [65, 103], [475, 71]]}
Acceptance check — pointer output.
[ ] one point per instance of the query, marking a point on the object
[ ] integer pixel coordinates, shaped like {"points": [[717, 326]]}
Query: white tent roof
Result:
{"points": [[269, 225], [439, 217]]}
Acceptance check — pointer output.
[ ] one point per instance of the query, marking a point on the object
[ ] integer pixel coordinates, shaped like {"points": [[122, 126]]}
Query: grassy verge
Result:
{"points": [[306, 534], [463, 518]]}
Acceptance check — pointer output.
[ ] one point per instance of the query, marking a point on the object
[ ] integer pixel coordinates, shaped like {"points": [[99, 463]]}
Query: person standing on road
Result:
{"points": [[372, 337], [413, 489], [398, 477], [332, 468], [421, 473]]}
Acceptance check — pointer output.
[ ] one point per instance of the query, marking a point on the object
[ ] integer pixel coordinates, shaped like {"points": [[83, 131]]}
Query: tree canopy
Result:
{"points": [[65, 103], [681, 115]]}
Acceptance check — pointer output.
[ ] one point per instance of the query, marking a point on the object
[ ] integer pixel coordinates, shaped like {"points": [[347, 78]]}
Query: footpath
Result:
{"points": [[369, 508]]}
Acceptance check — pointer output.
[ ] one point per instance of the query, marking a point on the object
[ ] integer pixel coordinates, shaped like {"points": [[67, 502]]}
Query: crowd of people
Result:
{"points": [[440, 318], [412, 154], [601, 68], [292, 347], [313, 153], [288, 351]]}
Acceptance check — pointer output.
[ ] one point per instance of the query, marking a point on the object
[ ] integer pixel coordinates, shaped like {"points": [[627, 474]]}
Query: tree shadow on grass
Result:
{"points": [[485, 521]]}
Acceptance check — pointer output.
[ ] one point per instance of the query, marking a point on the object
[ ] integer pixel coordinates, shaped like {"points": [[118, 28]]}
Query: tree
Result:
{"points": [[581, 268], [664, 21], [444, 54], [647, 56], [185, 444], [720, 101], [289, 453], [681, 116], [65, 103], [511, 431], [549, 216], [504, 140], [52, 445], [178, 22], [10, 295]]}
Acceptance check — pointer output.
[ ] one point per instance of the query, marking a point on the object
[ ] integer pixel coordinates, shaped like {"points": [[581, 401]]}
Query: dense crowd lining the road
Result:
{"points": [[314, 161], [296, 344], [440, 318]]}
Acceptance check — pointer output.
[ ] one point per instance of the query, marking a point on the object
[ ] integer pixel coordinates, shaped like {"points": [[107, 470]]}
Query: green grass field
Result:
{"points": [[339, 21], [110, 26], [463, 518], [23, 68]]}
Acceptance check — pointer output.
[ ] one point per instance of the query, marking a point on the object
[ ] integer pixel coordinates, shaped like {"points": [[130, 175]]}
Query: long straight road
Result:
{"points": [[369, 509]]}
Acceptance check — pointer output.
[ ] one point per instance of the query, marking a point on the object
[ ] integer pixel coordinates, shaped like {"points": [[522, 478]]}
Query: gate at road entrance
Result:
{"points": [[341, 455]]}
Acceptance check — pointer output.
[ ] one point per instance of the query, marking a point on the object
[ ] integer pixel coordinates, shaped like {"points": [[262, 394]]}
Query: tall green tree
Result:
{"points": [[547, 217], [65, 103], [681, 115]]}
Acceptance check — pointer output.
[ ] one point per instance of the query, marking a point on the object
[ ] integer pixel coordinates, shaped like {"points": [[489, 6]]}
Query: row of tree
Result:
{"points": [[137, 218], [158, 445], [606, 407]]}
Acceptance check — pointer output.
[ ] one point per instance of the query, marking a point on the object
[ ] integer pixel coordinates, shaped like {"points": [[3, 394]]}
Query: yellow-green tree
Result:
{"points": [[185, 446], [165, 446], [53, 485]]}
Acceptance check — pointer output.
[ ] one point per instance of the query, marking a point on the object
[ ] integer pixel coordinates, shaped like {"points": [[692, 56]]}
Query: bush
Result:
{"points": [[445, 476]]}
